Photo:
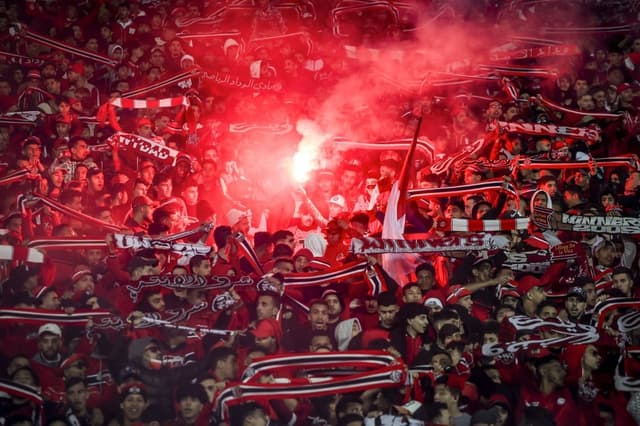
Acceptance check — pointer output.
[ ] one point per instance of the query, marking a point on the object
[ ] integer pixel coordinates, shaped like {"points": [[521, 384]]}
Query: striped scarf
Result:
{"points": [[482, 225], [13, 177], [551, 105], [16, 120], [461, 190], [520, 71], [423, 144], [442, 166], [274, 129], [607, 306], [173, 80], [67, 243], [149, 103], [614, 29], [381, 370], [29, 393], [67, 211], [67, 48], [78, 318], [371, 275], [569, 333], [20, 254], [619, 161]]}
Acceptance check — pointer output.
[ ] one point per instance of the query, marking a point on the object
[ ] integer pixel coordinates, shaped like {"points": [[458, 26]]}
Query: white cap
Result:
{"points": [[433, 302], [50, 328], [338, 200]]}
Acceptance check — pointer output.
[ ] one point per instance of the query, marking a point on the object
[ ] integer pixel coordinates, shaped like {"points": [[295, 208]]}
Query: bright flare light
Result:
{"points": [[307, 158]]}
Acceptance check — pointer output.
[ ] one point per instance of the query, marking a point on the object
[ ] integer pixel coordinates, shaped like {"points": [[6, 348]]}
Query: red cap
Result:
{"points": [[527, 283], [303, 252], [456, 293], [622, 87], [144, 121], [267, 327], [77, 67], [71, 359]]}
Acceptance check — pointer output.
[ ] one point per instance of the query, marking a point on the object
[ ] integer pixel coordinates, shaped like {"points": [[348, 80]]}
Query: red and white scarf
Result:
{"points": [[21, 254], [149, 103], [13, 177], [32, 316], [126, 241], [590, 134], [173, 80], [482, 225], [561, 50], [67, 243], [423, 144], [461, 190]]}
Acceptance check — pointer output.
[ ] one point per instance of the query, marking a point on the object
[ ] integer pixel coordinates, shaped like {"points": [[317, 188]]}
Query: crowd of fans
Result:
{"points": [[109, 215]]}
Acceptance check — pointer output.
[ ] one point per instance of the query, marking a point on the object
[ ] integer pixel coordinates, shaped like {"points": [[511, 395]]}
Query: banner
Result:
{"points": [[370, 245], [548, 219]]}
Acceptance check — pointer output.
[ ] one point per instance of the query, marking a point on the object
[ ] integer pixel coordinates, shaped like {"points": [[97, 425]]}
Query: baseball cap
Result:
{"points": [[77, 68], [577, 292], [267, 327], [528, 282], [34, 74], [622, 87], [433, 302], [456, 293], [50, 328], [338, 200], [144, 121]]}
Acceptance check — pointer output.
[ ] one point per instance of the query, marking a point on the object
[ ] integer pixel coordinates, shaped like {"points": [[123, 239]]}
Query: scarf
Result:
{"points": [[570, 333], [126, 241], [371, 246], [25, 61], [548, 219], [173, 80], [67, 211], [75, 51], [482, 225], [461, 190], [590, 134], [555, 50], [235, 82], [184, 282], [149, 103], [423, 144], [146, 147], [67, 243], [21, 254], [372, 276], [78, 318], [13, 177]]}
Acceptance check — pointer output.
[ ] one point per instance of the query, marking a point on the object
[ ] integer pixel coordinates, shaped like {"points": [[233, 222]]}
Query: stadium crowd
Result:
{"points": [[160, 266]]}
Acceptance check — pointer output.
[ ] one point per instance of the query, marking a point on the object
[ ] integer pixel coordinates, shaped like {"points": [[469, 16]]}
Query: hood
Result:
{"points": [[344, 333], [136, 349]]}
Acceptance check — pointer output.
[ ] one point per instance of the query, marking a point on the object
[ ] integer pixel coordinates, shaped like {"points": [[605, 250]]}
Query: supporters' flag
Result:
{"points": [[399, 266], [21, 254]]}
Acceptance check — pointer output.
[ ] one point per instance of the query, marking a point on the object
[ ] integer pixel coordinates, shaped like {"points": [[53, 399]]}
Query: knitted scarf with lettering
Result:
{"points": [[373, 246], [546, 218], [125, 241], [589, 134], [145, 147]]}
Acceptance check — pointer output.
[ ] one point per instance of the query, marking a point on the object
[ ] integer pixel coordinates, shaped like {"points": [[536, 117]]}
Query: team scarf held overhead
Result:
{"points": [[345, 372], [37, 317], [20, 254], [569, 333], [462, 190], [67, 211], [126, 241], [423, 144], [589, 134], [372, 246], [546, 218], [184, 282], [145, 147]]}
